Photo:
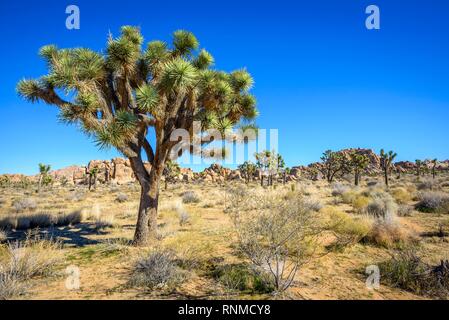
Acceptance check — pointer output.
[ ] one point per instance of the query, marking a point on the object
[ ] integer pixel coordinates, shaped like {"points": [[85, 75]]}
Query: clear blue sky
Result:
{"points": [[322, 78]]}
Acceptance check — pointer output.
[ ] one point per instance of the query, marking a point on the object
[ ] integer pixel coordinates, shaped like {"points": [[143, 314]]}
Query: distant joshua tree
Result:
{"points": [[271, 163], [419, 165], [44, 170], [333, 163], [93, 177], [119, 95], [434, 168], [171, 171], [358, 163], [247, 169], [386, 163]]}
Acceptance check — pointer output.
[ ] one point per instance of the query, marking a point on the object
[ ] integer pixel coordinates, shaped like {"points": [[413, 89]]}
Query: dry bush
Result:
{"points": [[401, 195], [242, 277], [121, 197], [156, 270], [387, 233], [382, 206], [276, 232], [22, 261], [11, 286], [21, 205], [349, 196], [39, 220], [3, 236], [190, 197], [372, 183], [184, 218], [433, 202], [347, 230], [386, 230], [76, 196], [407, 271], [360, 202], [405, 210], [104, 222], [338, 189], [427, 184]]}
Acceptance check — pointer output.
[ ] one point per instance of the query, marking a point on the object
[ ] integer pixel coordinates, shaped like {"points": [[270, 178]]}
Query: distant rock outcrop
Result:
{"points": [[119, 171]]}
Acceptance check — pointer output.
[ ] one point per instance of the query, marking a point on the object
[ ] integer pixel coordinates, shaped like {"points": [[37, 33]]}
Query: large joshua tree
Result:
{"points": [[118, 96], [386, 163]]}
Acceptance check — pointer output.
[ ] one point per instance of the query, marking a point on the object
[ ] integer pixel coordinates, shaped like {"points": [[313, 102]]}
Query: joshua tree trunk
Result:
{"points": [[146, 228], [356, 178], [386, 177], [39, 186]]}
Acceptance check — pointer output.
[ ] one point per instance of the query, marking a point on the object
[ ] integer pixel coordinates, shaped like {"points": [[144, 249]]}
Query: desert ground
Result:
{"points": [[91, 232]]}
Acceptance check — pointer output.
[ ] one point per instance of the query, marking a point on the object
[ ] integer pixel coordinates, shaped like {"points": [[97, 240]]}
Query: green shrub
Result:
{"points": [[241, 277], [407, 271]]}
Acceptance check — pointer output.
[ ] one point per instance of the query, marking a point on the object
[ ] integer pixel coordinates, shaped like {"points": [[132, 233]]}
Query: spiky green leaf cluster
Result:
{"points": [[117, 94]]}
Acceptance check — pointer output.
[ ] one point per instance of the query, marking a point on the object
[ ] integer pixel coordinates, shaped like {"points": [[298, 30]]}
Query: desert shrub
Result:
{"points": [[10, 285], [190, 197], [104, 222], [349, 196], [407, 271], [241, 277], [3, 236], [387, 233], [360, 202], [39, 220], [427, 184], [184, 218], [372, 183], [21, 261], [24, 204], [32, 257], [77, 195], [114, 246], [433, 202], [277, 234], [401, 195], [382, 207], [338, 189], [156, 270], [347, 230], [71, 218], [313, 204], [405, 210], [121, 197]]}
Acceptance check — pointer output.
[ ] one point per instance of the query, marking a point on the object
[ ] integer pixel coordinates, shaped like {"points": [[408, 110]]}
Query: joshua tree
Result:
{"points": [[333, 163], [247, 169], [270, 162], [434, 168], [386, 163], [93, 177], [171, 171], [358, 162], [419, 165], [119, 95], [44, 169]]}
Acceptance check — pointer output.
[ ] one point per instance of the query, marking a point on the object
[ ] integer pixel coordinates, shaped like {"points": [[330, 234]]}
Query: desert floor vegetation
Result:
{"points": [[303, 240]]}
